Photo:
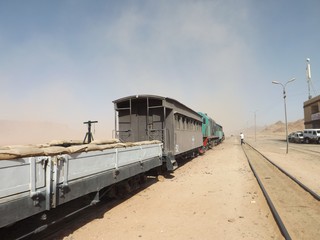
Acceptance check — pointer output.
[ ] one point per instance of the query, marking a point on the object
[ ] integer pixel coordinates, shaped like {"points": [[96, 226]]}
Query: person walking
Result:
{"points": [[241, 138]]}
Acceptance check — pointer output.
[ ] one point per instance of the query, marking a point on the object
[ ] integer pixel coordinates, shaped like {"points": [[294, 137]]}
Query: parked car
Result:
{"points": [[311, 135], [290, 137], [298, 137]]}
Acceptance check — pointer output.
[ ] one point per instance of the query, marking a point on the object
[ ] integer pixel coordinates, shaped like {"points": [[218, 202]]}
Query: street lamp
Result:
{"points": [[285, 108]]}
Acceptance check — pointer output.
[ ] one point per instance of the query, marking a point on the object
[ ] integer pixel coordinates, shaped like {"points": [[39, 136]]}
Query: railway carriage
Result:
{"points": [[150, 117]]}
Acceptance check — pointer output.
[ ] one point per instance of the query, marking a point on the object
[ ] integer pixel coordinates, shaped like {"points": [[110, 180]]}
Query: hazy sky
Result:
{"points": [[66, 61]]}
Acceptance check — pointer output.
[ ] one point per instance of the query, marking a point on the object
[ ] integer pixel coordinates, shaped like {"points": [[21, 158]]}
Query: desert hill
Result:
{"points": [[280, 127]]}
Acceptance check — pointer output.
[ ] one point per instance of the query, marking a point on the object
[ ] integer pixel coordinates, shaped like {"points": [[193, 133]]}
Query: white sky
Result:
{"points": [[66, 61]]}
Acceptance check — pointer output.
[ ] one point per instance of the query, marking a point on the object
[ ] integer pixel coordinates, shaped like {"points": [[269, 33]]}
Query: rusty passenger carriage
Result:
{"points": [[150, 117]]}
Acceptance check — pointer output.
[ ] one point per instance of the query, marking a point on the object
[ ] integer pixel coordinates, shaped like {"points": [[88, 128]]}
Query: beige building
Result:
{"points": [[312, 113]]}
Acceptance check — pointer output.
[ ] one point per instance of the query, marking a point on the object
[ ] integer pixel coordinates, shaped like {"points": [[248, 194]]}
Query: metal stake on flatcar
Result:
{"points": [[89, 135]]}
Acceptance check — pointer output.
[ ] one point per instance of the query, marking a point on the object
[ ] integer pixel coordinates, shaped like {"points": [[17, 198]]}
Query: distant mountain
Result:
{"points": [[280, 127]]}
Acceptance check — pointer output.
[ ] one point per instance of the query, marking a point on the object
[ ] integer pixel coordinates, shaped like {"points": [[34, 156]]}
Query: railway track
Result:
{"points": [[295, 207]]}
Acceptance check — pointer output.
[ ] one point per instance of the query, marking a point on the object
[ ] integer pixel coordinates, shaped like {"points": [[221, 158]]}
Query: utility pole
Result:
{"points": [[285, 107]]}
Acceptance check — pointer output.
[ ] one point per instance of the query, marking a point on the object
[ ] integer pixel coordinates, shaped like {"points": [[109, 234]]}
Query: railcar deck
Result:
{"points": [[35, 179]]}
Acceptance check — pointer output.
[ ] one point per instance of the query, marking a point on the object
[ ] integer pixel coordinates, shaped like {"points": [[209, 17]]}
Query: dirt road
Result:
{"points": [[214, 196]]}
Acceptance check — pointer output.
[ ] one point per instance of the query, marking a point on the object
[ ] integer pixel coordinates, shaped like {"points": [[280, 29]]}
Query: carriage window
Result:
{"points": [[176, 121]]}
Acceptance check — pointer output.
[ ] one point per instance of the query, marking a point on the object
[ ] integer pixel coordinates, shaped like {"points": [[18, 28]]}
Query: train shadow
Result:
{"points": [[98, 211], [168, 175], [68, 222]]}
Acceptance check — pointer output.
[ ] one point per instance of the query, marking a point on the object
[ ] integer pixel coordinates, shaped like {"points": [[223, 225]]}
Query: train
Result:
{"points": [[211, 131], [183, 131], [151, 132]]}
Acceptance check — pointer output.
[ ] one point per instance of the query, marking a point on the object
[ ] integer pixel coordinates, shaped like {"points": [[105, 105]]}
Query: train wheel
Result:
{"points": [[211, 144], [202, 150]]}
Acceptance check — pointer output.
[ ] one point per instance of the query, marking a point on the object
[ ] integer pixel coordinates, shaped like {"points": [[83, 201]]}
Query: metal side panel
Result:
{"points": [[138, 153], [22, 175], [19, 207], [89, 172], [186, 141], [15, 176], [22, 188], [86, 164], [77, 166]]}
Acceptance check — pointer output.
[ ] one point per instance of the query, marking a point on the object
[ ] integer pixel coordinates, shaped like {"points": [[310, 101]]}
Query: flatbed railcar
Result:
{"points": [[151, 117], [38, 179]]}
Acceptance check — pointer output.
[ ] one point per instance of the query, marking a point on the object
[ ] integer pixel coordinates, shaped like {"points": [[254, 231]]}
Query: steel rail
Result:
{"points": [[307, 189], [274, 212]]}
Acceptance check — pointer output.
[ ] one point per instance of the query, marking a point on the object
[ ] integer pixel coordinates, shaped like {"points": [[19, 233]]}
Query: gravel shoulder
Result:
{"points": [[214, 196]]}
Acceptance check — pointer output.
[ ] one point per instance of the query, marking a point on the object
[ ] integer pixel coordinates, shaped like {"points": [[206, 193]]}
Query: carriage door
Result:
{"points": [[139, 119], [155, 120]]}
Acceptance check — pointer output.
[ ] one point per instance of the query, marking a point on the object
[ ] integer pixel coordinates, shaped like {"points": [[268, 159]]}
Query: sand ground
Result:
{"points": [[303, 165], [214, 196]]}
